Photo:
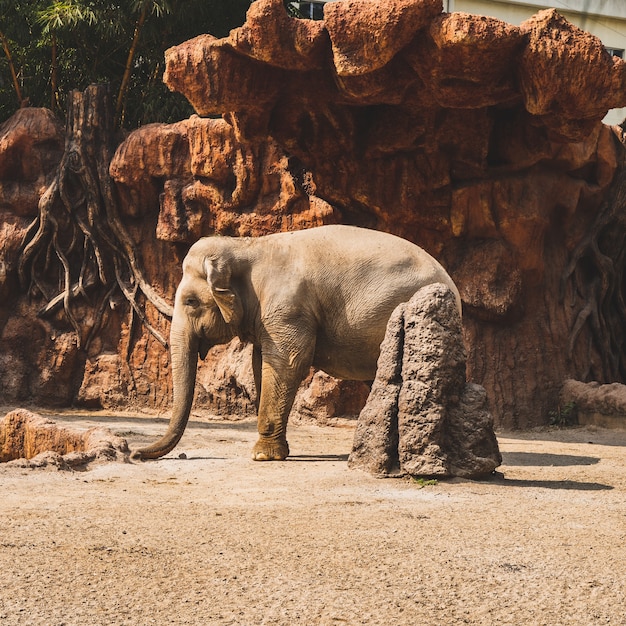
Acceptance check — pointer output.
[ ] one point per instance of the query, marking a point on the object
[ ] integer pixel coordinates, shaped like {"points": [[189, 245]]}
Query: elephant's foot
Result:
{"points": [[270, 450]]}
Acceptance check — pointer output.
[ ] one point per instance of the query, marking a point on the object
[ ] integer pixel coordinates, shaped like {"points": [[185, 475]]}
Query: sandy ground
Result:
{"points": [[219, 539]]}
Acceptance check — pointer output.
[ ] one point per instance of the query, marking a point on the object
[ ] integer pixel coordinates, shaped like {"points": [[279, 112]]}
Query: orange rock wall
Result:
{"points": [[479, 140]]}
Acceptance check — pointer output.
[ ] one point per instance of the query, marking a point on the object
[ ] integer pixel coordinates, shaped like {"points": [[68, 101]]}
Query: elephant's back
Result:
{"points": [[341, 259], [344, 246], [346, 258]]}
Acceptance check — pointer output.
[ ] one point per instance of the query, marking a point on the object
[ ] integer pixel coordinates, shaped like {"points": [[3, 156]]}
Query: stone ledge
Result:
{"points": [[30, 440], [596, 404]]}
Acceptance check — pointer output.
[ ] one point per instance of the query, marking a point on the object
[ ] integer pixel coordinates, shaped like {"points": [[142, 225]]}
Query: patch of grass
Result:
{"points": [[424, 482]]}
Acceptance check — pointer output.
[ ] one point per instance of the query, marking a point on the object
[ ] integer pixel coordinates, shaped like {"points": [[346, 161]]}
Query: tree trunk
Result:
{"points": [[121, 96], [54, 74], [78, 241], [7, 53]]}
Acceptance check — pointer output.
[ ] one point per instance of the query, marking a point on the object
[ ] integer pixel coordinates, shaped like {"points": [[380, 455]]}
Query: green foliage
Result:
{"points": [[65, 15], [563, 415], [55, 46], [424, 482]]}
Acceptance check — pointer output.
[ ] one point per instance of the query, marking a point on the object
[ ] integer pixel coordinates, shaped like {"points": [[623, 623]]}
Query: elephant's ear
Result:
{"points": [[218, 275]]}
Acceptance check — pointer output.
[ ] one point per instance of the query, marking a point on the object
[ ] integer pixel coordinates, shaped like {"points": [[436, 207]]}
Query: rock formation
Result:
{"points": [[474, 138], [421, 417], [204, 181], [478, 140], [592, 403], [30, 440]]}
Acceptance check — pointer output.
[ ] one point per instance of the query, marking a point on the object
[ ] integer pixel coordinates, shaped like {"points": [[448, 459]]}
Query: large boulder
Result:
{"points": [[422, 418]]}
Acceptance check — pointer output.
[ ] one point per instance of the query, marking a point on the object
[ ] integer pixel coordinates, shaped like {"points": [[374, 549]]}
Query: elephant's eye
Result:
{"points": [[191, 301]]}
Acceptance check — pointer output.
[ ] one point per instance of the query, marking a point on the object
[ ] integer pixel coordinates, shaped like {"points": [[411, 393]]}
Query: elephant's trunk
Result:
{"points": [[184, 354]]}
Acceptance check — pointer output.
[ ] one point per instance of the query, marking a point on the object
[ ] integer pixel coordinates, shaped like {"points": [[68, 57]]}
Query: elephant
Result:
{"points": [[320, 297]]}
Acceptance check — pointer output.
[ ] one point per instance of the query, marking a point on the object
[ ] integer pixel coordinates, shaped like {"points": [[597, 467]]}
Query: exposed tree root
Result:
{"points": [[77, 254], [596, 271]]}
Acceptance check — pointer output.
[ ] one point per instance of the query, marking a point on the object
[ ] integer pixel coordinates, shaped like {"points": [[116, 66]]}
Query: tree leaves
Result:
{"points": [[65, 15], [50, 48]]}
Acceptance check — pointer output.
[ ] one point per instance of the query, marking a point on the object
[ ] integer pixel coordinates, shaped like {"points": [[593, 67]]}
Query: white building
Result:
{"points": [[606, 19]]}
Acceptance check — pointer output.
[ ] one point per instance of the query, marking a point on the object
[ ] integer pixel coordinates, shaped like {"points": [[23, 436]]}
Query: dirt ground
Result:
{"points": [[216, 538]]}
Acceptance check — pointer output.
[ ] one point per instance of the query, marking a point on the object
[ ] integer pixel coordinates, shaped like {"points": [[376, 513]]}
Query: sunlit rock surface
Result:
{"points": [[478, 140]]}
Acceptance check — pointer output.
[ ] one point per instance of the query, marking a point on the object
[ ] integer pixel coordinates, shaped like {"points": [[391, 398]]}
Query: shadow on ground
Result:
{"points": [[541, 459]]}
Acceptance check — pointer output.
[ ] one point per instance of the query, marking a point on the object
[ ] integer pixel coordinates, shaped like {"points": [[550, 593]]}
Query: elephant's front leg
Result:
{"points": [[279, 383]]}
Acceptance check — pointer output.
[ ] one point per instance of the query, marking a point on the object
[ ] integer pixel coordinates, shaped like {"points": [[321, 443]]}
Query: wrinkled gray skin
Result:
{"points": [[320, 297]]}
